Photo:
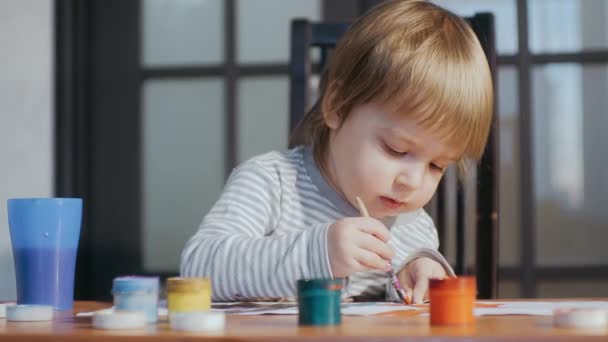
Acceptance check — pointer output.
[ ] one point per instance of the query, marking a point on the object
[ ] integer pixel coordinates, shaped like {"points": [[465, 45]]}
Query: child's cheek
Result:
{"points": [[378, 172]]}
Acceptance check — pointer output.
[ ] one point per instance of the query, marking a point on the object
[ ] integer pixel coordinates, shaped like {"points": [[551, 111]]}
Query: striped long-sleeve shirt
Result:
{"points": [[269, 228]]}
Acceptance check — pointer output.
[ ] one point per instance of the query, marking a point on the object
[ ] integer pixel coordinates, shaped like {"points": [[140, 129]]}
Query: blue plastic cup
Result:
{"points": [[44, 235]]}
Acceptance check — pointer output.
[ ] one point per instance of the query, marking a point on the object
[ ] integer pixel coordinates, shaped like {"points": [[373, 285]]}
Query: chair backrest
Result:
{"points": [[306, 34]]}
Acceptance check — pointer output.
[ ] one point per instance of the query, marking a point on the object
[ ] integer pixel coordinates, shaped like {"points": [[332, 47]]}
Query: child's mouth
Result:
{"points": [[391, 203]]}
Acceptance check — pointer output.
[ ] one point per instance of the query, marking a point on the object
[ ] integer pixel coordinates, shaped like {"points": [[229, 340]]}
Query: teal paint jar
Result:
{"points": [[319, 301]]}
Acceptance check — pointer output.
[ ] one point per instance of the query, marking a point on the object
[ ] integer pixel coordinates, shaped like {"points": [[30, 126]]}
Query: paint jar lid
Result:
{"points": [[3, 308], [580, 318], [197, 321], [320, 284], [464, 284], [29, 313], [178, 284], [130, 284], [119, 319]]}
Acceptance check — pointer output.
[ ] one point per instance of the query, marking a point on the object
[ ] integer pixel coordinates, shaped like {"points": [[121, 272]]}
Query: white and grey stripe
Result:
{"points": [[269, 228]]}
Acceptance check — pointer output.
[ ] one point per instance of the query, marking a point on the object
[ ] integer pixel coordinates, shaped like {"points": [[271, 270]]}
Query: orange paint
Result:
{"points": [[452, 300]]}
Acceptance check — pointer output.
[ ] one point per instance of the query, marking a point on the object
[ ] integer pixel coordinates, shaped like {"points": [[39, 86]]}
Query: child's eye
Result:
{"points": [[393, 151], [438, 168]]}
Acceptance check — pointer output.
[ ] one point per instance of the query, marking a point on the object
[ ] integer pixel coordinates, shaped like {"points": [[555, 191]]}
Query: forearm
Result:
{"points": [[242, 267]]}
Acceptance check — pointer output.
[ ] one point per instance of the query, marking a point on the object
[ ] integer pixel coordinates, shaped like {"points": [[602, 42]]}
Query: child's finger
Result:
{"points": [[375, 245], [408, 295], [372, 260], [420, 288], [376, 228]]}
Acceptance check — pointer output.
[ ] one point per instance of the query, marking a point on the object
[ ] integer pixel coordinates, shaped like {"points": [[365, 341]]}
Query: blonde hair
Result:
{"points": [[418, 56]]}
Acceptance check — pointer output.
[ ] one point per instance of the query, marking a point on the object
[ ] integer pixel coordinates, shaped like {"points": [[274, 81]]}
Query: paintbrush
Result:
{"points": [[394, 280]]}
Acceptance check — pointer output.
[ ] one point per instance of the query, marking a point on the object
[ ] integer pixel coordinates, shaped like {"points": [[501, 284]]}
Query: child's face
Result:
{"points": [[387, 159]]}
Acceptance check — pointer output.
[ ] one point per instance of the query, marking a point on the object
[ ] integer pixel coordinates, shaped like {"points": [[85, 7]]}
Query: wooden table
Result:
{"points": [[389, 327]]}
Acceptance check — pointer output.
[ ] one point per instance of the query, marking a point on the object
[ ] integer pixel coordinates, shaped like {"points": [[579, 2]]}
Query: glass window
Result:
{"points": [[571, 182], [509, 288], [183, 163], [264, 28], [505, 13], [508, 182], [314, 82], [263, 115], [508, 115], [570, 288], [182, 32], [567, 25]]}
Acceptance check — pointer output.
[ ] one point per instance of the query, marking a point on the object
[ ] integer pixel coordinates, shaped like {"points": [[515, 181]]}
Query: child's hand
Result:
{"points": [[415, 278], [357, 244]]}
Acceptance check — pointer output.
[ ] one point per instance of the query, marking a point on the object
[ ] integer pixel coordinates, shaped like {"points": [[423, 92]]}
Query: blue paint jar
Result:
{"points": [[319, 301], [133, 293]]}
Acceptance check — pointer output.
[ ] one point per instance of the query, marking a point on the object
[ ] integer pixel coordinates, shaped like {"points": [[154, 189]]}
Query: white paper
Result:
{"points": [[591, 304], [289, 308], [348, 309], [537, 308], [512, 311], [534, 308], [161, 312]]}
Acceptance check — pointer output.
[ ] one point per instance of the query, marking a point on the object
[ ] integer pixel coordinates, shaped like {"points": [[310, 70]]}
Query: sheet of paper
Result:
{"points": [[374, 308], [500, 311], [290, 308], [255, 308], [512, 311], [348, 309], [537, 308], [551, 305], [534, 308], [161, 312]]}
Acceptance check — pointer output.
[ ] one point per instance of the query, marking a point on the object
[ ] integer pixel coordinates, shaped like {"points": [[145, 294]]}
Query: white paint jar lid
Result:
{"points": [[3, 308], [119, 319], [197, 321], [580, 318], [29, 313]]}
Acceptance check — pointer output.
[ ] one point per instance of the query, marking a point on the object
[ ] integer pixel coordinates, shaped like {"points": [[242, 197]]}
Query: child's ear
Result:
{"points": [[328, 106]]}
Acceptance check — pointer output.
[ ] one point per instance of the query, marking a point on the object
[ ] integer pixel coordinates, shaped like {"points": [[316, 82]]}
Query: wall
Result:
{"points": [[26, 114]]}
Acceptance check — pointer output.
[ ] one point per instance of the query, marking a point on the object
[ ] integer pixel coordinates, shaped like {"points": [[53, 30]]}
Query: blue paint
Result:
{"points": [[46, 276], [44, 237], [134, 293]]}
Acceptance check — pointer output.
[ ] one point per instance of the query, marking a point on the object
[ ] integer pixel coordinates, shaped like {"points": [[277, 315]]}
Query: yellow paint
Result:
{"points": [[188, 294]]}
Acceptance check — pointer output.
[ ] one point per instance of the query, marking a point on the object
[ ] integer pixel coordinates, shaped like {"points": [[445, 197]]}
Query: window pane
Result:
{"points": [[263, 115], [568, 25], [183, 163], [571, 182], [505, 13], [264, 28], [313, 89], [182, 32], [508, 114], [508, 185], [570, 288]]}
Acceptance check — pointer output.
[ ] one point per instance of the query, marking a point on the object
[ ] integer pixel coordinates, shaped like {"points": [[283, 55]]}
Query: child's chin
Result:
{"points": [[399, 211], [389, 213]]}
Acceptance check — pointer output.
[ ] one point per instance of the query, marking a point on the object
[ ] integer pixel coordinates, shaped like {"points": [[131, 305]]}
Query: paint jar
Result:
{"points": [[319, 301], [452, 300], [188, 294], [133, 293]]}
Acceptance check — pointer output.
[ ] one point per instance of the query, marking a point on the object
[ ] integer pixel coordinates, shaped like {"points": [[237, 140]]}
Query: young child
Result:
{"points": [[407, 93]]}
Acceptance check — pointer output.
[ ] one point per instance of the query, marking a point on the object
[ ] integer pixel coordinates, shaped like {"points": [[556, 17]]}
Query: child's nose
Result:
{"points": [[412, 177]]}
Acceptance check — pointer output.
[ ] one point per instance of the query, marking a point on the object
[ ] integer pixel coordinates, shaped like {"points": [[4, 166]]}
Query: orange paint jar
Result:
{"points": [[452, 300]]}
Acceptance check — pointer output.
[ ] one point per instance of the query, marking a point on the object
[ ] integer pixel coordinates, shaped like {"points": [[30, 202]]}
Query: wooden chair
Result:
{"points": [[305, 35]]}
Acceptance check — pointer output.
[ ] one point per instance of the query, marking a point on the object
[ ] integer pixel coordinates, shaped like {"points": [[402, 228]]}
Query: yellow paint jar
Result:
{"points": [[188, 294]]}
